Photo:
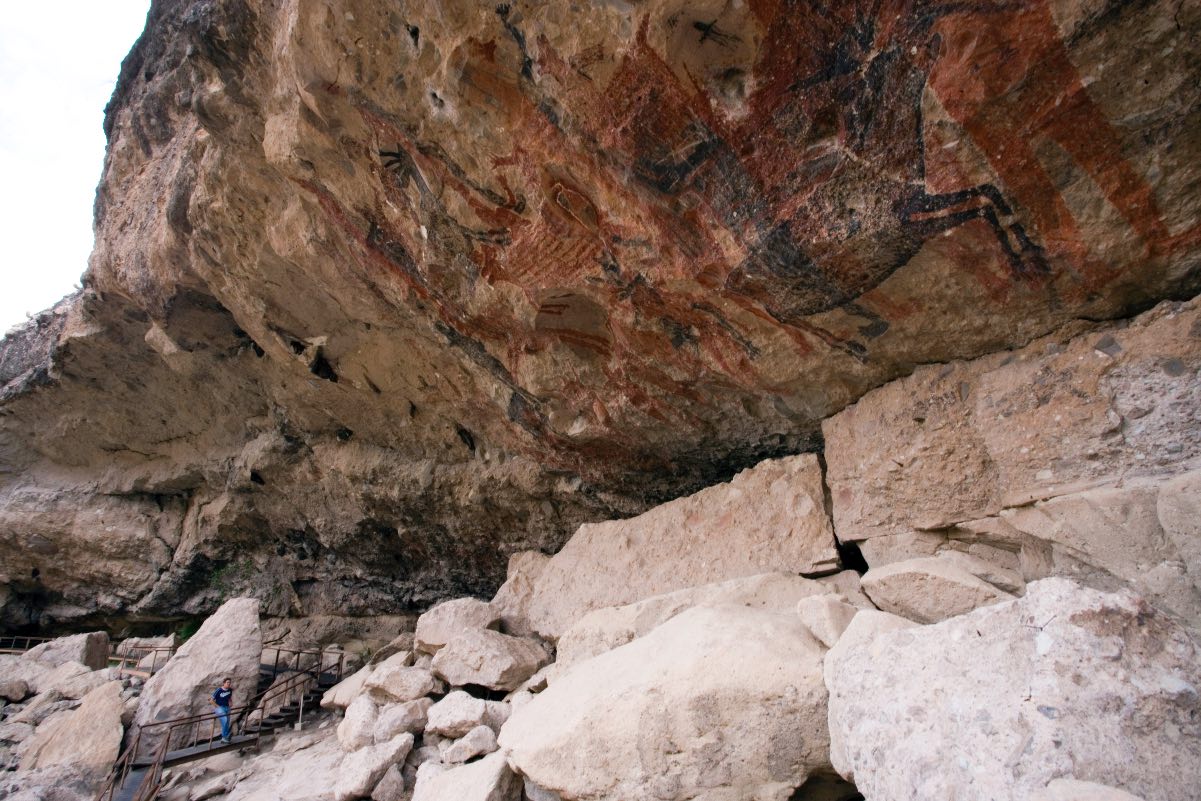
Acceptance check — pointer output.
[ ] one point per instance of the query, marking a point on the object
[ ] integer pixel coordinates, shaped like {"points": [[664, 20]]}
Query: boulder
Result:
{"points": [[477, 742], [362, 770], [391, 787], [341, 694], [723, 698], [394, 719], [61, 675], [88, 737], [490, 659], [54, 783], [298, 768], [488, 779], [14, 667], [227, 644], [357, 728], [996, 703], [436, 627], [14, 690], [512, 600], [928, 589], [605, 629], [15, 732], [769, 517], [90, 649], [394, 680], [826, 617], [459, 713], [39, 707]]}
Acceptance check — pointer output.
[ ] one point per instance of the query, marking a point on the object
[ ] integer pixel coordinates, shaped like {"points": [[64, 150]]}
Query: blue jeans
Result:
{"points": [[223, 716]]}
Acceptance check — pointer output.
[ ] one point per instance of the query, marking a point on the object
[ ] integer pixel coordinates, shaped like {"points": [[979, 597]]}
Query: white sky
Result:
{"points": [[58, 64]]}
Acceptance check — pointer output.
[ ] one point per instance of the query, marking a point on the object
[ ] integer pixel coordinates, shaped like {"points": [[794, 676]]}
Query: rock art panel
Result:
{"points": [[574, 259]]}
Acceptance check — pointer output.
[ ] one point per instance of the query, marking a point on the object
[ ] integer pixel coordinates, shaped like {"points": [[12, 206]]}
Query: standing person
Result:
{"points": [[220, 700]]}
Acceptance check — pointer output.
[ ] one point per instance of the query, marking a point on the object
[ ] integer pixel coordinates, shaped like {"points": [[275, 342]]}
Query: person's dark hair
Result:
{"points": [[227, 678]]}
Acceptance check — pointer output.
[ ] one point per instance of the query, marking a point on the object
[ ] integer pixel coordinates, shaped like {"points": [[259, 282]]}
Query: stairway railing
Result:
{"points": [[127, 659], [151, 748], [19, 645], [294, 659]]}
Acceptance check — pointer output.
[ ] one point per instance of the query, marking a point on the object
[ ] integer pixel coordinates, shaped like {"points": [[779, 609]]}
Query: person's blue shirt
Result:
{"points": [[221, 696]]}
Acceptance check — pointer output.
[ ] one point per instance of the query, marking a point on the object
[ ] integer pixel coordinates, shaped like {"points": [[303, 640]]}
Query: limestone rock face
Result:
{"points": [[89, 649], [1045, 461], [1065, 682], [605, 629], [88, 737], [576, 259], [717, 699], [490, 659], [436, 627], [228, 644], [769, 517]]}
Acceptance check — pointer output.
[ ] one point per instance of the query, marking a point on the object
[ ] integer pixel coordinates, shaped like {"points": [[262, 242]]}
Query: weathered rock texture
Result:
{"points": [[771, 517], [723, 699], [380, 292], [228, 645], [1066, 682], [1076, 455]]}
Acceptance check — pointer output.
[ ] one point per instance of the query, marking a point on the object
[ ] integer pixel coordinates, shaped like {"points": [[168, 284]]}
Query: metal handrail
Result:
{"points": [[125, 654], [192, 726], [294, 660], [19, 645]]}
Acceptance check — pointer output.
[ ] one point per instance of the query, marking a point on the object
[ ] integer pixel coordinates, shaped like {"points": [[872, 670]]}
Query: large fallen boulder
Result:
{"points": [[396, 680], [724, 699], [605, 629], [357, 728], [361, 770], [89, 649], [344, 692], [437, 626], [928, 589], [770, 517], [489, 779], [489, 659], [228, 644], [459, 713], [1065, 682], [88, 737], [394, 719], [512, 600]]}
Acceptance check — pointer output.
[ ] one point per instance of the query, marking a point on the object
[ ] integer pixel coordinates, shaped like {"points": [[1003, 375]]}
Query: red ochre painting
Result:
{"points": [[733, 187]]}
